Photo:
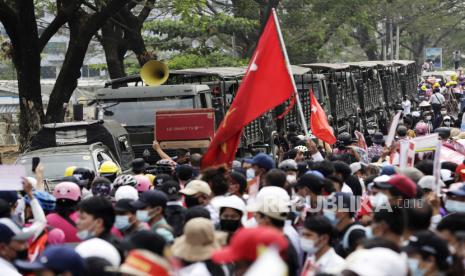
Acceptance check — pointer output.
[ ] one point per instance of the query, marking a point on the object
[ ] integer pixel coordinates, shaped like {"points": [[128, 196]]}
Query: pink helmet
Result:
{"points": [[143, 183], [421, 128], [67, 190]]}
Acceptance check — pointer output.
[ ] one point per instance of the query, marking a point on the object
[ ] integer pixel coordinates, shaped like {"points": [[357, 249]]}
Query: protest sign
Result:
{"points": [[11, 176]]}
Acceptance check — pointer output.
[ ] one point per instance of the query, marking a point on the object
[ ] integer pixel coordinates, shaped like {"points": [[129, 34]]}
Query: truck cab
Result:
{"points": [[135, 106]]}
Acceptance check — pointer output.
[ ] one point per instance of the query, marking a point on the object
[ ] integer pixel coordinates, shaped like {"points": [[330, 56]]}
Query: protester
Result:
{"points": [[317, 239], [232, 212], [150, 209], [197, 244], [174, 212], [126, 220], [198, 192]]}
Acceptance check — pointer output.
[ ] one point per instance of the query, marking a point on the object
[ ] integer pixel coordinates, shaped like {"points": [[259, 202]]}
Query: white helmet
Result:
{"points": [[126, 192], [233, 202]]}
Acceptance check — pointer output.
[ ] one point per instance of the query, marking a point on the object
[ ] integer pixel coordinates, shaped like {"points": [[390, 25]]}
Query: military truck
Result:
{"points": [[341, 97]]}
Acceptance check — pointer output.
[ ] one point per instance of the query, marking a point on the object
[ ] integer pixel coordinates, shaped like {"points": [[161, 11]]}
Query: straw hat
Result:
{"points": [[198, 242]]}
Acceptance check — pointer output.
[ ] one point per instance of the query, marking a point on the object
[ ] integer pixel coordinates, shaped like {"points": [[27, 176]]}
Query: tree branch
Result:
{"points": [[145, 12], [61, 18], [8, 19]]}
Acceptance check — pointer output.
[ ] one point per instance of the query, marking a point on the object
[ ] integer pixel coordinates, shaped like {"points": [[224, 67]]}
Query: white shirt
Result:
{"points": [[406, 105], [346, 189], [330, 263], [6, 268], [437, 98]]}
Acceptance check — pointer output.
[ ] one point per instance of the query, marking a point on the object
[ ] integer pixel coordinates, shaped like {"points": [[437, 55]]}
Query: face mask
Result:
{"points": [[454, 206], [291, 179], [143, 215], [443, 112], [308, 246], [371, 131], [191, 201], [414, 266], [250, 173], [428, 118], [378, 200], [331, 215], [85, 235], [122, 222], [229, 225], [447, 123]]}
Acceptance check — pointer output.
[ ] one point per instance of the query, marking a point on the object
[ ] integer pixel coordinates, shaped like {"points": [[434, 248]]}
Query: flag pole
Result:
{"points": [[289, 70]]}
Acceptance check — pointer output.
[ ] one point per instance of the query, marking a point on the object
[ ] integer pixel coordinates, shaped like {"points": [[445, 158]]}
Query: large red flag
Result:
{"points": [[319, 122], [266, 84]]}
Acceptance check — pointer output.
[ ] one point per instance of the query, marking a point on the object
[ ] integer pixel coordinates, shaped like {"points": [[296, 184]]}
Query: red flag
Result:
{"points": [[266, 84], [319, 122]]}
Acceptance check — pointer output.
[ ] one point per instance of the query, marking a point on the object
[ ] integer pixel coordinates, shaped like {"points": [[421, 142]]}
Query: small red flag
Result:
{"points": [[266, 84], [319, 122]]}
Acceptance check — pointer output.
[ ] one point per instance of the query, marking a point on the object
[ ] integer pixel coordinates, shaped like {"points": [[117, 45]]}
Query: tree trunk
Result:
{"points": [[26, 58], [111, 39], [70, 71]]}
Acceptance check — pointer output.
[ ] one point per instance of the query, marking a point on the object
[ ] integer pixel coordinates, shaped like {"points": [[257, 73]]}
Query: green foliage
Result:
{"points": [[172, 34], [183, 61]]}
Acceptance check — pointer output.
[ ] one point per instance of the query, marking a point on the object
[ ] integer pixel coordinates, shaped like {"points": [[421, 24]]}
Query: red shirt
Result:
{"points": [[460, 171]]}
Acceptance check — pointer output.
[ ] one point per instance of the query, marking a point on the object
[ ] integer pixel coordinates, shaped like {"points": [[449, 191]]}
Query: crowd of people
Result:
{"points": [[317, 210], [314, 209]]}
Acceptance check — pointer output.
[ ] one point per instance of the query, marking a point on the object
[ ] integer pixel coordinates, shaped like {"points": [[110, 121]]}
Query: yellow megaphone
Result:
{"points": [[154, 73]]}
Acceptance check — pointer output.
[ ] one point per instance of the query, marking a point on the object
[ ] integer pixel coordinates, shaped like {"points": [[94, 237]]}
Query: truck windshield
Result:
{"points": [[55, 165], [142, 113]]}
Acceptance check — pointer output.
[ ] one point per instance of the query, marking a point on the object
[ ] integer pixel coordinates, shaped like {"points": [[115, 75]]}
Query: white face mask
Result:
{"points": [[447, 123], [378, 200], [453, 206], [291, 179], [428, 118], [443, 112], [308, 246], [371, 131], [250, 173]]}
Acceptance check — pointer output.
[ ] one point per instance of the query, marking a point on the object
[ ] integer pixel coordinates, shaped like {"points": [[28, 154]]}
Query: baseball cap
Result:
{"points": [[124, 205], [11, 231], [58, 258], [150, 198], [427, 182], [428, 243], [99, 248], [246, 242], [171, 189], [184, 172], [196, 186], [376, 261], [271, 201], [411, 172], [9, 196], [404, 184], [262, 160], [387, 170], [355, 167]]}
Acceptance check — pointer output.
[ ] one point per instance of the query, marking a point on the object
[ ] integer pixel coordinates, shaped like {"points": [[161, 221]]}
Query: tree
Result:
{"points": [[123, 32], [19, 21], [83, 26]]}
